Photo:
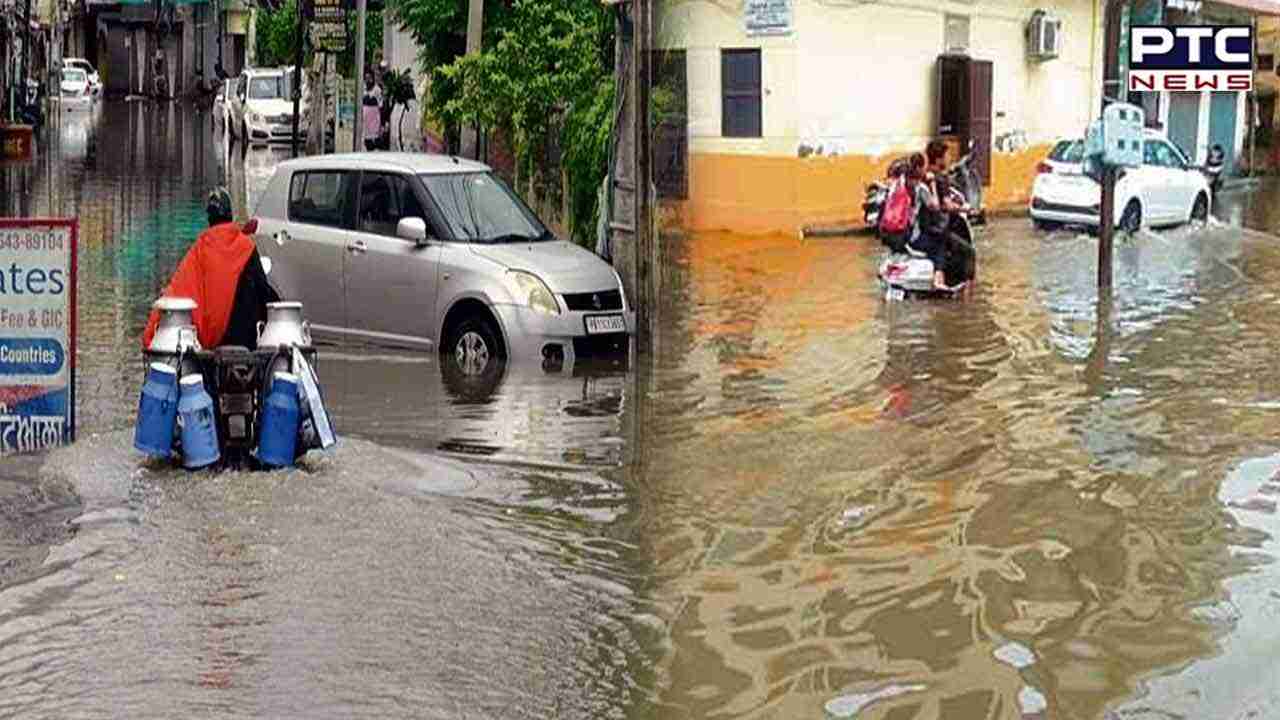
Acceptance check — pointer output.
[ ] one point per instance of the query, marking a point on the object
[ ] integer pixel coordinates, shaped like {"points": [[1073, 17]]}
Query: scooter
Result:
{"points": [[960, 174], [906, 272]]}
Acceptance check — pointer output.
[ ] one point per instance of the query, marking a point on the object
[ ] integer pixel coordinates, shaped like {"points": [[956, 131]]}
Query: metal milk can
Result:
{"points": [[175, 332], [284, 326]]}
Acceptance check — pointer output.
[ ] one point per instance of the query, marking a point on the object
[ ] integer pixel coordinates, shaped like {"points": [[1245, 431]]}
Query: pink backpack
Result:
{"points": [[896, 216]]}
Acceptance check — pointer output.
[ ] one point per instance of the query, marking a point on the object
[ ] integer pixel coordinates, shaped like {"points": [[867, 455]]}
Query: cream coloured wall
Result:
{"points": [[858, 77]]}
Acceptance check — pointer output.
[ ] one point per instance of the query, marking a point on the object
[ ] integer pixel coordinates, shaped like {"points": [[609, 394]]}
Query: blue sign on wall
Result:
{"points": [[37, 334]]}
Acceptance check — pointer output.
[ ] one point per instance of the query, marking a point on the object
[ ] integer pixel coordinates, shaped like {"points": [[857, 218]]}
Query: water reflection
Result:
{"points": [[512, 412], [990, 485]]}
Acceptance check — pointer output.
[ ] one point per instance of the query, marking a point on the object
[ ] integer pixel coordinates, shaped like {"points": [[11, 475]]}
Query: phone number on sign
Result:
{"points": [[32, 240], [27, 319]]}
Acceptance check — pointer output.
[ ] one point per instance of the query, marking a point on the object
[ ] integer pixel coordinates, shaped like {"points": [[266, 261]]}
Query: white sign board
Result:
{"points": [[768, 17], [37, 334]]}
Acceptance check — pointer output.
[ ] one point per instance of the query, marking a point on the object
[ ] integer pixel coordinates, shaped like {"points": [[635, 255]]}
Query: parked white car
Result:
{"points": [[222, 110], [95, 82], [75, 90], [1166, 190], [261, 108]]}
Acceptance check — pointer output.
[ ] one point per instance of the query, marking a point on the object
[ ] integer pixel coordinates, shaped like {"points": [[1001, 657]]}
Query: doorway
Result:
{"points": [[1184, 123], [1223, 111]]}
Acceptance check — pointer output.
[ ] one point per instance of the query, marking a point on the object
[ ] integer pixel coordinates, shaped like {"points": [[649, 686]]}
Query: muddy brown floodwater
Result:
{"points": [[806, 503]]}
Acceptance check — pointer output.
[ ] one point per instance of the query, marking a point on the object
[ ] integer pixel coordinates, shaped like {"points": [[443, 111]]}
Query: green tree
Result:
{"points": [[545, 64], [277, 30]]}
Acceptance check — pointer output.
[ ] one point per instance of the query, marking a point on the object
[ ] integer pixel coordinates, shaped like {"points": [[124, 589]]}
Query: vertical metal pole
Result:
{"points": [[1253, 98], [643, 219], [1111, 79], [297, 71], [357, 143], [222, 37]]}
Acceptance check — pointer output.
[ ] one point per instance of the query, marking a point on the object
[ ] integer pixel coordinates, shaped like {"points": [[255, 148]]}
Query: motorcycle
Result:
{"points": [[960, 174], [908, 272]]}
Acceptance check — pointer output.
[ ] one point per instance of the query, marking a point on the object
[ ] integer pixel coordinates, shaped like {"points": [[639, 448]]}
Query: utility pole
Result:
{"points": [[644, 159], [475, 29], [297, 69], [1112, 88], [361, 13]]}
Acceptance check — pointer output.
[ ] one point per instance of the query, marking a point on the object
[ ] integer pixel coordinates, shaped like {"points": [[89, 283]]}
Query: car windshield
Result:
{"points": [[1068, 151], [479, 207], [268, 87], [73, 76]]}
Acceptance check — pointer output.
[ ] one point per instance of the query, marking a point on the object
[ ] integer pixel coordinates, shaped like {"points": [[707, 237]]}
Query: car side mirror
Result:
{"points": [[413, 229]]}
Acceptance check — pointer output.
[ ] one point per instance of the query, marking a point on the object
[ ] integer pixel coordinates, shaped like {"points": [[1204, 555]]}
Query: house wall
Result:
{"points": [[855, 83]]}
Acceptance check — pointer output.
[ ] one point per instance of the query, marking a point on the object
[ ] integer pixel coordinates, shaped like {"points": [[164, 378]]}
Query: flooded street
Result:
{"points": [[806, 503]]}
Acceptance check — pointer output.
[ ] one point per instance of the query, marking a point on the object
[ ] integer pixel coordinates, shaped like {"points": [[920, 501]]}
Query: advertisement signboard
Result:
{"points": [[37, 333], [329, 25]]}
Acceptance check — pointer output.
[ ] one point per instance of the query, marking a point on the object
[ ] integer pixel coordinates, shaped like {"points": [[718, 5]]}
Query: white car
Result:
{"points": [[95, 82], [261, 108], [1166, 190], [222, 110], [75, 89]]}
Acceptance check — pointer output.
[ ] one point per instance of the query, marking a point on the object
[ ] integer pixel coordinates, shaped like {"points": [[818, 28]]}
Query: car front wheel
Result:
{"points": [[474, 346], [1131, 220], [1200, 211]]}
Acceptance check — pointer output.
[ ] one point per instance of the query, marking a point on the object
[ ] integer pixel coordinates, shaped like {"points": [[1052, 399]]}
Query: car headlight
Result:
{"points": [[622, 292], [255, 117], [534, 293]]}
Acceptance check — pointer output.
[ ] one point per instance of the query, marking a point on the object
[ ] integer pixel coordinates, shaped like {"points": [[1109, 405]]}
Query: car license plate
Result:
{"points": [[599, 324], [895, 294]]}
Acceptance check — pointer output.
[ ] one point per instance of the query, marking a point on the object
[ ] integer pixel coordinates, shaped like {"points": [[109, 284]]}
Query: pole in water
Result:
{"points": [[1111, 77]]}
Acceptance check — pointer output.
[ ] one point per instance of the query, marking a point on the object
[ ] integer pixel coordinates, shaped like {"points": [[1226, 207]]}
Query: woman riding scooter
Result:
{"points": [[951, 255]]}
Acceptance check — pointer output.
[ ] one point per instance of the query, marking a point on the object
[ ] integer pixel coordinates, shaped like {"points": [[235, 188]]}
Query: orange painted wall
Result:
{"points": [[759, 194]]}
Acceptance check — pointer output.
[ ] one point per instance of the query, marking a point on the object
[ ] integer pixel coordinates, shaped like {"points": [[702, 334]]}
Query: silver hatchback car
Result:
{"points": [[416, 250]]}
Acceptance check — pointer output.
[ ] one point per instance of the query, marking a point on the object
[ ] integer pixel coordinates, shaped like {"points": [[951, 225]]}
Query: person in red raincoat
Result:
{"points": [[223, 273]]}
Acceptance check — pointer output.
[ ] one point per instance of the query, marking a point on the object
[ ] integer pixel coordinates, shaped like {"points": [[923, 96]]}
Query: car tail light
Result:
{"points": [[895, 270], [1043, 168], [250, 227]]}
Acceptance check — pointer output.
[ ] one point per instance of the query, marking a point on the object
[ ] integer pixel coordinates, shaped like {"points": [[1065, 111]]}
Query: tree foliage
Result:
{"points": [[544, 65]]}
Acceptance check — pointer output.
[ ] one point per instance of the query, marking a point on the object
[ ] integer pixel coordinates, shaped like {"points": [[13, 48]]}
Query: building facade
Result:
{"points": [[124, 37], [784, 130]]}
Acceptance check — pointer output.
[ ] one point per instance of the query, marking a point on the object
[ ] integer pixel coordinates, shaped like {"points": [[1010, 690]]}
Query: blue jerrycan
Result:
{"points": [[157, 411], [281, 418], [199, 429]]}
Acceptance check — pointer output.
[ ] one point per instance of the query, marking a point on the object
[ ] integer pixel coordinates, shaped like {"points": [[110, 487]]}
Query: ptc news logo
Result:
{"points": [[1191, 58]]}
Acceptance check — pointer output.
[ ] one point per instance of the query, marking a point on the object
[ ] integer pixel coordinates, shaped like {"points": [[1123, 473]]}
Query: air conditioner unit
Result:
{"points": [[1044, 36]]}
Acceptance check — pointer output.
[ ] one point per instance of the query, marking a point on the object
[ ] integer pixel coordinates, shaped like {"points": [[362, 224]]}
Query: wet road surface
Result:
{"points": [[807, 501]]}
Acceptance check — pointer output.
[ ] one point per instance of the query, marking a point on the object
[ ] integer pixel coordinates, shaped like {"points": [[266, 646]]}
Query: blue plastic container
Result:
{"points": [[157, 411], [281, 419], [199, 426]]}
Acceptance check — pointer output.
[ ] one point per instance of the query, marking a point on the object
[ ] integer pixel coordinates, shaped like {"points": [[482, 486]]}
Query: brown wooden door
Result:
{"points": [[979, 120]]}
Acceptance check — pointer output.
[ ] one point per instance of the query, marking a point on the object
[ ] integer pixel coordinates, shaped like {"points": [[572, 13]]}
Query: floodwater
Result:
{"points": [[806, 503]]}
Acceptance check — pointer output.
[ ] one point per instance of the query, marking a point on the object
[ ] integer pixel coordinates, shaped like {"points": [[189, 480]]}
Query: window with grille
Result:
{"points": [[740, 83]]}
